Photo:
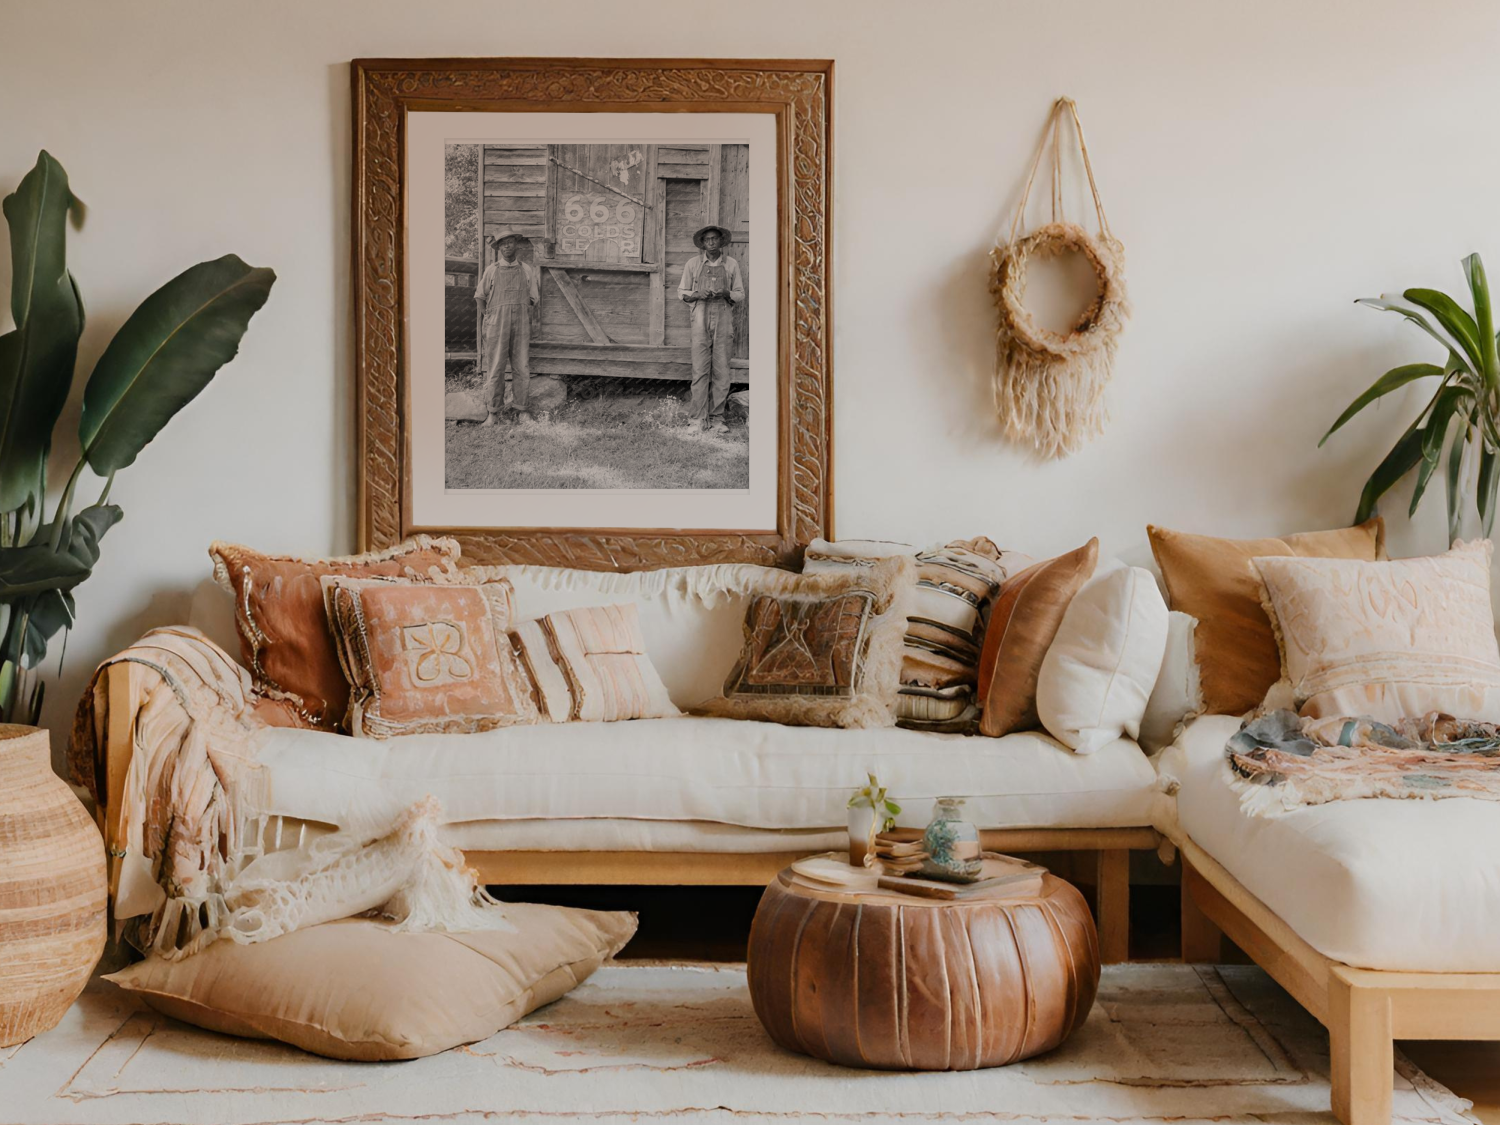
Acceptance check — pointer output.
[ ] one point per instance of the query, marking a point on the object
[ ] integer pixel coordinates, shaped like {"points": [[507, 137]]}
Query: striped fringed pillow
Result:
{"points": [[956, 584], [591, 665]]}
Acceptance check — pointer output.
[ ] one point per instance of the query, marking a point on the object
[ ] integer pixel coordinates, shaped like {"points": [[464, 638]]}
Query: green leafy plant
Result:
{"points": [[872, 796], [164, 354], [1463, 413]]}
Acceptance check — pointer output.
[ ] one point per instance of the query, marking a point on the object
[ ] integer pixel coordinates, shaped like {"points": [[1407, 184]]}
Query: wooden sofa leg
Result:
{"points": [[1202, 941], [1361, 1052], [1112, 888]]}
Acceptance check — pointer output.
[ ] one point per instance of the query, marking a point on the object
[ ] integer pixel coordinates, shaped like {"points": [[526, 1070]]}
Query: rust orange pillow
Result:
{"points": [[427, 658], [1025, 619], [283, 628], [1215, 581]]}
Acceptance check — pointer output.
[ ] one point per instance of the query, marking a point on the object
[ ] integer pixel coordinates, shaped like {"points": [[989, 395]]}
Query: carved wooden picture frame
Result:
{"points": [[797, 94]]}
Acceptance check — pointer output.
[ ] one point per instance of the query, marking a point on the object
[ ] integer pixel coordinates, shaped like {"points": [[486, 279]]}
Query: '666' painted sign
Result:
{"points": [[601, 226]]}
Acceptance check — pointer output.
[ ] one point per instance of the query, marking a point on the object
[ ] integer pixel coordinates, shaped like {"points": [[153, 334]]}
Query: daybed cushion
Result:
{"points": [[730, 771], [1379, 884], [355, 989]]}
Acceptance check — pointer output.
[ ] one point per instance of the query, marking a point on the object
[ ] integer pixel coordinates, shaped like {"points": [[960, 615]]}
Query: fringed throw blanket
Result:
{"points": [[1281, 761], [192, 861]]}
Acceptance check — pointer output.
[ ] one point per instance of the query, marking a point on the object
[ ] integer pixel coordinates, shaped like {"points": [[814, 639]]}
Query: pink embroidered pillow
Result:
{"points": [[426, 658], [591, 665], [1391, 640]]}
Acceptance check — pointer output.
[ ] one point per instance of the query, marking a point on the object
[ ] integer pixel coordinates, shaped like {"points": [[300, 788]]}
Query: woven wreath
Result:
{"points": [[1049, 386]]}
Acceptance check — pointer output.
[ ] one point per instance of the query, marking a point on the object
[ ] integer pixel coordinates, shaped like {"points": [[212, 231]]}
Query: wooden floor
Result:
{"points": [[713, 924]]}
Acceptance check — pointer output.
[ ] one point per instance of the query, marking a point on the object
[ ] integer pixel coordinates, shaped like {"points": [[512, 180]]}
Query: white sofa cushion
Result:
{"points": [[1100, 668], [1378, 884], [730, 771]]}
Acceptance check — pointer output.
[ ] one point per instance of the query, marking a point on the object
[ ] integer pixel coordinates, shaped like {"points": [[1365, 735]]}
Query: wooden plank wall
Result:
{"points": [[515, 189]]}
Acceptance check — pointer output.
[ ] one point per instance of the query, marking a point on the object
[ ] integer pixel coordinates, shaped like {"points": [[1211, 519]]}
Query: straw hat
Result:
{"points": [[701, 231], [507, 232]]}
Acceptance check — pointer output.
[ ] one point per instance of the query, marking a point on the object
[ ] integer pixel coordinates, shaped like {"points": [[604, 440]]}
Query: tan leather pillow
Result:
{"points": [[284, 636], [1027, 613], [1215, 581], [355, 990]]}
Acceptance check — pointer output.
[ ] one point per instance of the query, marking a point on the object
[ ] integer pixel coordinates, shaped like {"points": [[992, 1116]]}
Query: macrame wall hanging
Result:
{"points": [[1049, 386]]}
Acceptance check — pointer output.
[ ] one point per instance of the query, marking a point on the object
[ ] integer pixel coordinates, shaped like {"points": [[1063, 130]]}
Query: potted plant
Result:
{"points": [[1463, 414], [870, 811], [164, 354]]}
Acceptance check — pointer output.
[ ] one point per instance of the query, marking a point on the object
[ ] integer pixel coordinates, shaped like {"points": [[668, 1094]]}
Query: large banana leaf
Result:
{"points": [[36, 358], [164, 355], [35, 568], [1393, 379]]}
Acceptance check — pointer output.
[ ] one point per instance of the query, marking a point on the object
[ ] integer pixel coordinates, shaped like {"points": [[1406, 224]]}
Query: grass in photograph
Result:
{"points": [[630, 441]]}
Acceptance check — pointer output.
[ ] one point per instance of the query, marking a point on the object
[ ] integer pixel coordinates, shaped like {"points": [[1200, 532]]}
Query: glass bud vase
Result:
{"points": [[952, 844]]}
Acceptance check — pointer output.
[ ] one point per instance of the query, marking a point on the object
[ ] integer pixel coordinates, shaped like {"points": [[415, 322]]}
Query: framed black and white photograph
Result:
{"points": [[613, 332], [597, 315]]}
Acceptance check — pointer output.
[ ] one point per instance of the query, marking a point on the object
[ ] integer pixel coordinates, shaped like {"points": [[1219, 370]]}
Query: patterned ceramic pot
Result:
{"points": [[52, 889], [952, 843]]}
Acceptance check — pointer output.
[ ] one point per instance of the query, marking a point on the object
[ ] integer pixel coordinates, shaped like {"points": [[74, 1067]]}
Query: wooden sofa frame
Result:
{"points": [[1364, 1010], [1112, 846]]}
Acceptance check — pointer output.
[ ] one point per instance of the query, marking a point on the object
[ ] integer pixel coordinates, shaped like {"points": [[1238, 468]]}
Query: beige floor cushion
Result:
{"points": [[356, 990]]}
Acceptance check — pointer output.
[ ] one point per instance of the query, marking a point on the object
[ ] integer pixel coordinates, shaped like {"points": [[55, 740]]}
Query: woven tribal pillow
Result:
{"points": [[823, 649], [427, 658], [956, 585], [591, 665]]}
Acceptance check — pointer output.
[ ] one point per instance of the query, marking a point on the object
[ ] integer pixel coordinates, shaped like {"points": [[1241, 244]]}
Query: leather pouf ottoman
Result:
{"points": [[896, 982]]}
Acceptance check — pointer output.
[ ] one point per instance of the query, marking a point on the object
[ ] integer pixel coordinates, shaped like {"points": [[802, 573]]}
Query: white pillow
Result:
{"points": [[1098, 674], [1178, 695]]}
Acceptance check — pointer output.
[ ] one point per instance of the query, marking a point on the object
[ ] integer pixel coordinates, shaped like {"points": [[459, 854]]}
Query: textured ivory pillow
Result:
{"points": [[590, 665], [1177, 694], [956, 585], [1390, 640], [1100, 668], [823, 650], [355, 990], [1214, 581], [1026, 617], [427, 658], [283, 628]]}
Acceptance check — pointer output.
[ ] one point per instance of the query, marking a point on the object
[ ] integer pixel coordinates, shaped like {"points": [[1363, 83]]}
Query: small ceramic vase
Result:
{"points": [[952, 844], [861, 820]]}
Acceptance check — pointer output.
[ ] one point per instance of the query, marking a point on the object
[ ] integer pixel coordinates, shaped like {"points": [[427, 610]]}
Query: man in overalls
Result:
{"points": [[712, 285], [505, 296]]}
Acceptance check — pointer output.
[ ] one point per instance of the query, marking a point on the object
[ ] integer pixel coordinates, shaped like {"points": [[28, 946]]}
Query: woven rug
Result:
{"points": [[646, 1042]]}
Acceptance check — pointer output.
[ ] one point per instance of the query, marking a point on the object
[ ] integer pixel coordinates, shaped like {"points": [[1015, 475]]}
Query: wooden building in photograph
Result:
{"points": [[611, 227]]}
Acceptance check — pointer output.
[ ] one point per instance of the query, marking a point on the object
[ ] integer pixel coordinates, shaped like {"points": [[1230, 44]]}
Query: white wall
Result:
{"points": [[1264, 164]]}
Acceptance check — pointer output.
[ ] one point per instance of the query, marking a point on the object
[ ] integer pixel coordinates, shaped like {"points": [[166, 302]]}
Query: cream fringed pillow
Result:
{"points": [[1390, 640], [590, 665], [356, 990], [823, 650], [427, 658]]}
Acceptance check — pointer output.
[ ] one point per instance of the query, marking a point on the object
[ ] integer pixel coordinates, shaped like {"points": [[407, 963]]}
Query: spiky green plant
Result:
{"points": [[162, 356], [1463, 414]]}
